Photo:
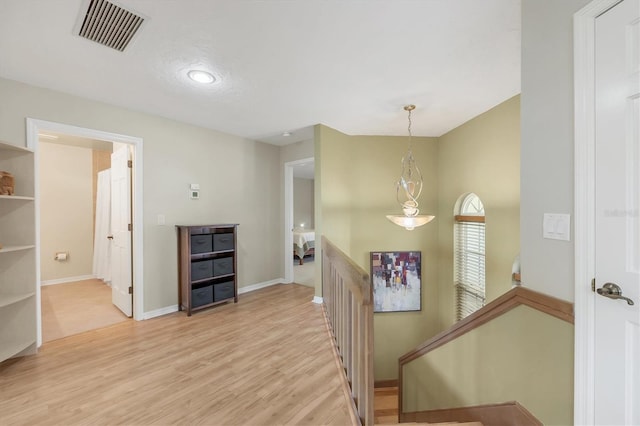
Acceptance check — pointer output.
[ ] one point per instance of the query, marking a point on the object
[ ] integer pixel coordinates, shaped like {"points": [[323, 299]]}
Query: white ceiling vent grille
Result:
{"points": [[109, 25]]}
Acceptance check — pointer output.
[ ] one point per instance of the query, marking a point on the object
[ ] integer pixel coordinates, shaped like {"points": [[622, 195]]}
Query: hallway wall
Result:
{"points": [[66, 208]]}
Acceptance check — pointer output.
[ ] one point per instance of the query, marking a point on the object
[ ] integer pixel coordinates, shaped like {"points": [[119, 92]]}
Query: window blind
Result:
{"points": [[469, 266]]}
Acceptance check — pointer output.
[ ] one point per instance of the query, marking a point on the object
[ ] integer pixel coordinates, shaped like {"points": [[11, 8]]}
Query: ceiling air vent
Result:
{"points": [[109, 25]]}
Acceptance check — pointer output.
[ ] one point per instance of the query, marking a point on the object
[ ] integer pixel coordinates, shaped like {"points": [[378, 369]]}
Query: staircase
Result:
{"points": [[385, 409]]}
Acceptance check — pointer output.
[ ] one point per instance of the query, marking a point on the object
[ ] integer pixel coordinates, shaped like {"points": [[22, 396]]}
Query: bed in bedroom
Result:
{"points": [[303, 243]]}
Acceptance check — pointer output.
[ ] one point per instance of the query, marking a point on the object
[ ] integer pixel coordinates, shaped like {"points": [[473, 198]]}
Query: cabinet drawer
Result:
{"points": [[223, 242], [222, 266], [201, 296], [201, 244], [223, 291], [201, 270]]}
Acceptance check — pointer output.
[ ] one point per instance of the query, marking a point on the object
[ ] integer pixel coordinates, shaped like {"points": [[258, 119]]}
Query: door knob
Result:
{"points": [[613, 291], [110, 237]]}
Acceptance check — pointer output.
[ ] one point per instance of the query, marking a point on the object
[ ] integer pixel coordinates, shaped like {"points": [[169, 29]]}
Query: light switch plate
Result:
{"points": [[195, 186], [556, 226]]}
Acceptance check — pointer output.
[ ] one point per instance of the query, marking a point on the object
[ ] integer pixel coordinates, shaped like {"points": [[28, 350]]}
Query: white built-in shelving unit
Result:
{"points": [[18, 281]]}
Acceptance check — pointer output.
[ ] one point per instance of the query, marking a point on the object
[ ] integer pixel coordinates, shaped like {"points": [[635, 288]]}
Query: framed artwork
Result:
{"points": [[395, 277]]}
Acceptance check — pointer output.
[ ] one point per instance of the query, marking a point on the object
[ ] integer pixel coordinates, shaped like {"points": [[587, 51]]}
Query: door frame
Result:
{"points": [[34, 127], [288, 216], [584, 207]]}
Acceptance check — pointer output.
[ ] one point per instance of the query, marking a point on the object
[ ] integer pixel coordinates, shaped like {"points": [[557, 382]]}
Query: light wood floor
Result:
{"points": [[264, 361], [73, 308]]}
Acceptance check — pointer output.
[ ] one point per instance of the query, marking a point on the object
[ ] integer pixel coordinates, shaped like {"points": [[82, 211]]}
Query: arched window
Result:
{"points": [[469, 262]]}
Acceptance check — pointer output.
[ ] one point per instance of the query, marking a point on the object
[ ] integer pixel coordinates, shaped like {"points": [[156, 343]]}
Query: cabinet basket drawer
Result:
{"points": [[201, 270], [222, 242], [201, 296], [222, 266], [201, 244], [223, 291]]}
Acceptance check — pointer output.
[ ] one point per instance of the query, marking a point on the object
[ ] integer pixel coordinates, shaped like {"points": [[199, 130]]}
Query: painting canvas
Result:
{"points": [[396, 281]]}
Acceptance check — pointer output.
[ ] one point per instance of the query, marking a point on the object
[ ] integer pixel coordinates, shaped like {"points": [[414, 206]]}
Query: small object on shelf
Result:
{"points": [[207, 266], [7, 183]]}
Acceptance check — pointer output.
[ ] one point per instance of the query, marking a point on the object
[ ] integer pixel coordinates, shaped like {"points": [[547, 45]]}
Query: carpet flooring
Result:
{"points": [[76, 307]]}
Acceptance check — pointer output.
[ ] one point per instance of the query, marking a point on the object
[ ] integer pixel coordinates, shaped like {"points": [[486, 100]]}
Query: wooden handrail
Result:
{"points": [[347, 297], [515, 297]]}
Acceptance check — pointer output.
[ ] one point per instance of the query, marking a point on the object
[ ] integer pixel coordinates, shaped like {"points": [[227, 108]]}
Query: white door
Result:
{"points": [[617, 225], [121, 278]]}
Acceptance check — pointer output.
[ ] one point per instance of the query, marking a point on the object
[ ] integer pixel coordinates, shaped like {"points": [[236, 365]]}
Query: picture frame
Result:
{"points": [[396, 278]]}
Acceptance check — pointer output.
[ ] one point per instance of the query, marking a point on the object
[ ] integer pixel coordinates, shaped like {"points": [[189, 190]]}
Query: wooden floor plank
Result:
{"points": [[264, 361]]}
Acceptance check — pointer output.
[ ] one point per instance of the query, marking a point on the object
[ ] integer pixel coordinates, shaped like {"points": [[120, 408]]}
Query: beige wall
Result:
{"points": [[524, 355], [481, 156], [297, 151], [303, 203], [356, 197], [239, 181], [66, 210], [547, 141]]}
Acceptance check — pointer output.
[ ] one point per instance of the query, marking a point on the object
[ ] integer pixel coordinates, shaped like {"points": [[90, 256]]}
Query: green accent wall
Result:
{"points": [[481, 156], [524, 355], [355, 190]]}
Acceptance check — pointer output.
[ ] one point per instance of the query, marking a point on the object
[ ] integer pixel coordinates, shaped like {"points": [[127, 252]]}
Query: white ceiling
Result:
{"points": [[284, 65]]}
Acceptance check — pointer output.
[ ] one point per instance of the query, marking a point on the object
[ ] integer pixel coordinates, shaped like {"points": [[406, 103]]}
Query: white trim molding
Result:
{"points": [[584, 204], [317, 300], [67, 280], [159, 312], [258, 286], [34, 127]]}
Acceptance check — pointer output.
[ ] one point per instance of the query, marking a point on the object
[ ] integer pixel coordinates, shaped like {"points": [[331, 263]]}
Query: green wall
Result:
{"points": [[524, 355], [481, 156], [355, 189]]}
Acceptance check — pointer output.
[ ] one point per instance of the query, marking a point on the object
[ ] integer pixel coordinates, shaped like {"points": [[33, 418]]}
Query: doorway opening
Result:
{"points": [[299, 221], [70, 140]]}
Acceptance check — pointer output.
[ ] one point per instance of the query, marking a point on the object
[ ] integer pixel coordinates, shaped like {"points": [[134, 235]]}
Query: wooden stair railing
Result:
{"points": [[348, 305], [515, 297]]}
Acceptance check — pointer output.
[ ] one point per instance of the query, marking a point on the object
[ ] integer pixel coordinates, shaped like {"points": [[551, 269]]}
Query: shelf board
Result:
{"points": [[11, 348], [16, 197], [7, 249], [10, 299], [10, 147], [216, 278], [212, 254]]}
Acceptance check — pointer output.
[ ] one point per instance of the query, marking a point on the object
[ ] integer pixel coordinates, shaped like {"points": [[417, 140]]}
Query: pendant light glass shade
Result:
{"points": [[410, 222], [408, 189]]}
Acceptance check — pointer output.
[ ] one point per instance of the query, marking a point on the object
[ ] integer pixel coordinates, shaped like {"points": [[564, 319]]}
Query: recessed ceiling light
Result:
{"points": [[201, 76], [286, 134]]}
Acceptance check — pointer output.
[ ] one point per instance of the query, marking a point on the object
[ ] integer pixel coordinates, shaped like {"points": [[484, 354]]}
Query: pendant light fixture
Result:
{"points": [[408, 189]]}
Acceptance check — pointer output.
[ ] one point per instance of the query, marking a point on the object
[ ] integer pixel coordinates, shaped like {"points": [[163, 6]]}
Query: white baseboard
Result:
{"points": [[318, 300], [159, 312], [246, 289], [67, 280], [253, 287]]}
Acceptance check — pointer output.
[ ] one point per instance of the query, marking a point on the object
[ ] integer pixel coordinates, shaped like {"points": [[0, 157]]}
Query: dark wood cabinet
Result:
{"points": [[207, 265]]}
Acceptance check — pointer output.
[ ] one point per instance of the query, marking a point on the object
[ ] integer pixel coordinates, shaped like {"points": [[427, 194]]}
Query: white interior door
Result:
{"points": [[617, 225], [121, 278]]}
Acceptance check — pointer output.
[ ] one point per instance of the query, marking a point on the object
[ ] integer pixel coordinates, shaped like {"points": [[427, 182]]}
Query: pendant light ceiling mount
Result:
{"points": [[408, 188]]}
